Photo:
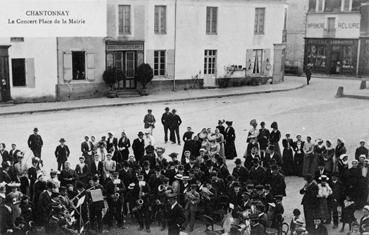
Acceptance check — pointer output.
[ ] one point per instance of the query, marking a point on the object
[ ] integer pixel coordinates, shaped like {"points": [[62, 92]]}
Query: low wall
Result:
{"points": [[80, 91], [165, 85], [242, 81]]}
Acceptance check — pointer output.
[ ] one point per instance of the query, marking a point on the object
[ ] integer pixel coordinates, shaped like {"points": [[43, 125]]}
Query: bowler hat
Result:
{"points": [[62, 140], [166, 109], [238, 161], [35, 129], [173, 155], [140, 133]]}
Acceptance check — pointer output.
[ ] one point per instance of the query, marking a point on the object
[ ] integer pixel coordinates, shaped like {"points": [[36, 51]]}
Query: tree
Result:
{"points": [[112, 75], [144, 74]]}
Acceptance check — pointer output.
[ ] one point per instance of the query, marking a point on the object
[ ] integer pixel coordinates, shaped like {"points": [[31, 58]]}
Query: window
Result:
{"points": [[19, 72], [346, 5], [159, 63], [332, 5], [211, 20], [259, 20], [356, 5], [160, 20], [124, 19], [257, 56], [331, 24], [320, 5], [17, 39], [78, 65], [210, 61], [312, 5]]}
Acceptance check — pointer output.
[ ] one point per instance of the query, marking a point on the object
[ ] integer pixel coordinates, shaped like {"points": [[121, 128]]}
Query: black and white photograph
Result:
{"points": [[184, 117]]}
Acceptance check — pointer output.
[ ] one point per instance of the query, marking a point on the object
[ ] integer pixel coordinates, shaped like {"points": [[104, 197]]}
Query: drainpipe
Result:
{"points": [[175, 44]]}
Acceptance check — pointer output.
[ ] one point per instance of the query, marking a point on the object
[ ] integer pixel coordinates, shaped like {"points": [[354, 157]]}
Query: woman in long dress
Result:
{"points": [[220, 140], [289, 167], [324, 192], [230, 137], [328, 156], [275, 137], [214, 146]]}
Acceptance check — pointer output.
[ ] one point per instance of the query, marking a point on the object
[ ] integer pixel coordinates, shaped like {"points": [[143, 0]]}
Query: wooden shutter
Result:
{"points": [[156, 19], [208, 19], [150, 58], [30, 72], [90, 66], [266, 66], [170, 64], [214, 19], [249, 63], [67, 66], [163, 20]]}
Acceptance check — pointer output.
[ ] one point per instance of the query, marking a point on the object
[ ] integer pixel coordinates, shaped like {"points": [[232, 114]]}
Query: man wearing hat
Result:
{"points": [[256, 227], [149, 121], [86, 149], [138, 147], [61, 153], [192, 200], [310, 201], [175, 122], [6, 215], [35, 143], [175, 215], [111, 142], [263, 139], [44, 203], [361, 150], [240, 172], [165, 120], [114, 189]]}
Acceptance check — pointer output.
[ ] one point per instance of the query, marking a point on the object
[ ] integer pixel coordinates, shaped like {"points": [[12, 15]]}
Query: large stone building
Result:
{"points": [[181, 40], [332, 36]]}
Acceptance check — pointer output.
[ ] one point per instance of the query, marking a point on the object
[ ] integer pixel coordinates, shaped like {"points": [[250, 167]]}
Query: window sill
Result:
{"points": [[161, 77], [160, 34], [212, 34]]}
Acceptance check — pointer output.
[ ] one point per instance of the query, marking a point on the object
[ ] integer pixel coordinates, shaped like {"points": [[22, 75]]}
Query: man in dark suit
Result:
{"points": [[35, 143], [175, 215], [276, 181], [6, 215], [45, 204], [310, 201], [5, 156], [86, 149], [165, 120], [61, 153], [97, 167], [361, 150], [263, 138], [175, 122], [13, 153], [111, 141], [138, 147], [270, 155], [257, 172], [240, 172]]}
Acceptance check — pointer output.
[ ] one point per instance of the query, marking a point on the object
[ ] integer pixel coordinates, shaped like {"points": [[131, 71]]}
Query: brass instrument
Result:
{"points": [[139, 201], [116, 194], [162, 188]]}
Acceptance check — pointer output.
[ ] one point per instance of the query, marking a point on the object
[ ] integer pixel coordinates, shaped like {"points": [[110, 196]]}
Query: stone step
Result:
{"points": [[123, 93], [7, 103]]}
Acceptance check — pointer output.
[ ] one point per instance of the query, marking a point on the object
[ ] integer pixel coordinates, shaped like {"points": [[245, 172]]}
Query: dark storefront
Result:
{"points": [[332, 56], [125, 56]]}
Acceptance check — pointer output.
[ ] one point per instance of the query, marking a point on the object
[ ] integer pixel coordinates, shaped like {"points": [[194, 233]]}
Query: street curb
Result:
{"points": [[150, 102]]}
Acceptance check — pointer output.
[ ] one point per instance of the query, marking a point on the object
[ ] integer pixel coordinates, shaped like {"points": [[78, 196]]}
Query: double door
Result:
{"points": [[126, 61]]}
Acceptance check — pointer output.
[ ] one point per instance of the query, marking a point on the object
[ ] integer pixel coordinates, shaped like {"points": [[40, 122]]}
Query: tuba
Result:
{"points": [[139, 201], [162, 188]]}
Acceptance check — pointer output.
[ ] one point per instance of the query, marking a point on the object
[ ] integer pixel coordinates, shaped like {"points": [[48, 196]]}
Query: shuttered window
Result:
{"points": [[211, 20], [257, 61], [160, 21], [259, 20], [124, 19], [79, 65], [159, 63]]}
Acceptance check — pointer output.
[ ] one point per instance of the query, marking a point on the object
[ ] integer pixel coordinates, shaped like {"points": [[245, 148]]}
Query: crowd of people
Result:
{"points": [[115, 181]]}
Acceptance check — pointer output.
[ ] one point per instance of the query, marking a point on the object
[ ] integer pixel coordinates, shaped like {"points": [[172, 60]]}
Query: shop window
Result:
{"points": [[347, 57], [211, 20], [78, 65], [316, 55], [160, 25], [159, 63], [210, 61], [124, 19], [332, 5], [257, 58], [259, 20], [19, 72]]}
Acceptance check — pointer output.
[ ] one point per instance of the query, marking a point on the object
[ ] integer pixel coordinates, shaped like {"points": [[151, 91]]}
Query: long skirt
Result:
{"points": [[230, 150], [323, 209], [289, 167], [299, 162]]}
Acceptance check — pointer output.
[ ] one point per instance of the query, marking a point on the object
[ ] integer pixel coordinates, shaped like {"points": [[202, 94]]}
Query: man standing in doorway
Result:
{"points": [[149, 121], [35, 143], [175, 122], [165, 120]]}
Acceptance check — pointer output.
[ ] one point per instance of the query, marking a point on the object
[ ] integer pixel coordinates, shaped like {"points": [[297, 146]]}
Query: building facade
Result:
{"points": [[296, 26], [182, 40], [28, 74], [332, 36]]}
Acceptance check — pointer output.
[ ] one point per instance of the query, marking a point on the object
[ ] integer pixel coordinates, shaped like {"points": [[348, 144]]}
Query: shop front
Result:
{"points": [[4, 74], [125, 56], [331, 56]]}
